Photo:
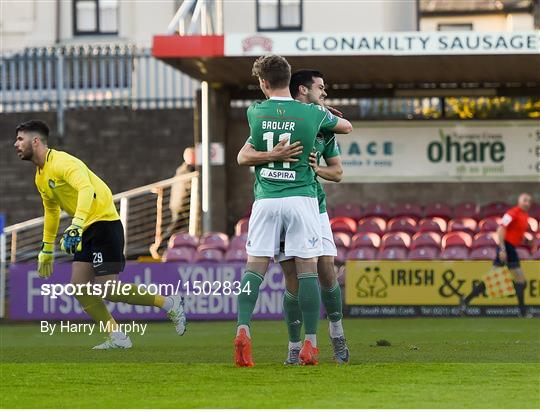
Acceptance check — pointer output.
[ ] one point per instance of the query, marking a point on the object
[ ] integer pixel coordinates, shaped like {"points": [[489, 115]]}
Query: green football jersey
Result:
{"points": [[277, 119], [325, 147]]}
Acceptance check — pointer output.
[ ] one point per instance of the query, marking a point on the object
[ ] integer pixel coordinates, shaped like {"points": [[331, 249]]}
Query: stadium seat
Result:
{"points": [[483, 253], [523, 253], [424, 253], [343, 224], [183, 239], [489, 224], [533, 225], [396, 239], [432, 224], [342, 239], [238, 241], [536, 241], [214, 240], [407, 209], [392, 253], [455, 253], [536, 255], [209, 255], [364, 253], [367, 239], [236, 256], [467, 209], [376, 210], [463, 224], [426, 239], [402, 224], [496, 209], [534, 211], [241, 226], [181, 254], [438, 210], [351, 210], [341, 256], [372, 224], [456, 239], [484, 239]]}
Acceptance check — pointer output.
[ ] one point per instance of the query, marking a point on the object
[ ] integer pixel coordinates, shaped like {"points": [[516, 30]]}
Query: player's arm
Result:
{"points": [[501, 234], [282, 152], [343, 126], [50, 229], [334, 123], [333, 171]]}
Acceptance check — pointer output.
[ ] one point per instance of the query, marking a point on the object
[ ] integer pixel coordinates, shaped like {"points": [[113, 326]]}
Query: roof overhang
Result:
{"points": [[394, 61]]}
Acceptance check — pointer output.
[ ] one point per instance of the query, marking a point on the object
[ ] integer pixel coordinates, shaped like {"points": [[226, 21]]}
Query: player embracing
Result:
{"points": [[510, 235], [95, 236], [307, 86], [285, 202]]}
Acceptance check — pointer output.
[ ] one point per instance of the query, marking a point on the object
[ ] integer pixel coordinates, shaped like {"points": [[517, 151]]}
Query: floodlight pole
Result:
{"points": [[205, 161]]}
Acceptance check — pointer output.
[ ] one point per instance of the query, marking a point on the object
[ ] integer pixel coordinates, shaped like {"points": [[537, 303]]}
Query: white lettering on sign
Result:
{"points": [[278, 174]]}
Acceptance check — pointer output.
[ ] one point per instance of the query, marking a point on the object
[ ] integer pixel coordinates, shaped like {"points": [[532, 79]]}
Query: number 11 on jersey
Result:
{"points": [[269, 137]]}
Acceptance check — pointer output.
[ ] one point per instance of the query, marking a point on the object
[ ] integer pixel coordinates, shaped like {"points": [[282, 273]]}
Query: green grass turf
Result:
{"points": [[432, 363]]}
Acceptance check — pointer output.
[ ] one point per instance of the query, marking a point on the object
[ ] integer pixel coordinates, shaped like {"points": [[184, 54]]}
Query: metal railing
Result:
{"points": [[62, 78], [145, 214]]}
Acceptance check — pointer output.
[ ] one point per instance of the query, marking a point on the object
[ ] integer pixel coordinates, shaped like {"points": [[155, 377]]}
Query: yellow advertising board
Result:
{"points": [[427, 282]]}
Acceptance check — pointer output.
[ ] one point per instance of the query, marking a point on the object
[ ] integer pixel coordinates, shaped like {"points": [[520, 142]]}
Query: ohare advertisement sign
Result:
{"points": [[442, 151]]}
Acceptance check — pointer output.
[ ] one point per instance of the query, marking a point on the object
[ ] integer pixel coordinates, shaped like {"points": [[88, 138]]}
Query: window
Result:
{"points": [[95, 17], [279, 15], [455, 27]]}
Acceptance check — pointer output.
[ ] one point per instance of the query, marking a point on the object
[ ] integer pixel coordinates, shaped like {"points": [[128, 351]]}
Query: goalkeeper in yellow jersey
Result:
{"points": [[95, 236]]}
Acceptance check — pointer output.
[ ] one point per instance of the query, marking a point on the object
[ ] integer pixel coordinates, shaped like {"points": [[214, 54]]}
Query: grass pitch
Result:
{"points": [[431, 363]]}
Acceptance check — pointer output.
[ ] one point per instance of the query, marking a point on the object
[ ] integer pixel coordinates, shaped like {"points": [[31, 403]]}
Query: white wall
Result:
{"points": [[494, 22]]}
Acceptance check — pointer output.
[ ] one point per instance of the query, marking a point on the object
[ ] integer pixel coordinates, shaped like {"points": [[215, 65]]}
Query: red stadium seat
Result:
{"points": [[377, 210], [392, 253], [364, 253], [489, 224], [536, 255], [432, 224], [484, 239], [342, 240], [493, 209], [209, 255], [483, 253], [238, 241], [367, 239], [181, 254], [214, 240], [183, 239], [456, 239], [424, 253], [236, 255], [343, 224], [438, 210], [341, 256], [536, 240], [396, 239], [455, 253], [351, 210], [407, 209], [372, 224], [426, 239], [463, 224], [534, 211], [467, 209], [523, 253], [533, 225], [402, 224], [241, 226]]}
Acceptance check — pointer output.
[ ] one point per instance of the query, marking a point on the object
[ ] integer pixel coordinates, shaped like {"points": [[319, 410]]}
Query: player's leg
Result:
{"points": [[520, 282], [292, 312]]}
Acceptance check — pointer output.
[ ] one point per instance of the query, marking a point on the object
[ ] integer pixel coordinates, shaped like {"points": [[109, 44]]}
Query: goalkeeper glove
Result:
{"points": [[72, 237], [46, 260]]}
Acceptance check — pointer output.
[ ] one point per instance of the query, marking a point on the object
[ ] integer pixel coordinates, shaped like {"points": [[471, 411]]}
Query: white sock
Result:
{"points": [[168, 304], [295, 345], [118, 335], [245, 327], [312, 338], [336, 329]]}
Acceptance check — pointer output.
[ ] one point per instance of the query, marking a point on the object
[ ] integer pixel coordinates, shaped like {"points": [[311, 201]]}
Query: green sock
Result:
{"points": [[132, 295], [247, 300], [293, 316], [310, 301], [331, 299]]}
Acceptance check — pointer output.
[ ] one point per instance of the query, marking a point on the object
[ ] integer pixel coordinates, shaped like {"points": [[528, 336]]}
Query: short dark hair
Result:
{"points": [[303, 77], [276, 70], [35, 126]]}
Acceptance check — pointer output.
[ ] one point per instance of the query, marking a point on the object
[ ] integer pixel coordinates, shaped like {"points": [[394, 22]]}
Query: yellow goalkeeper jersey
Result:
{"points": [[66, 183]]}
